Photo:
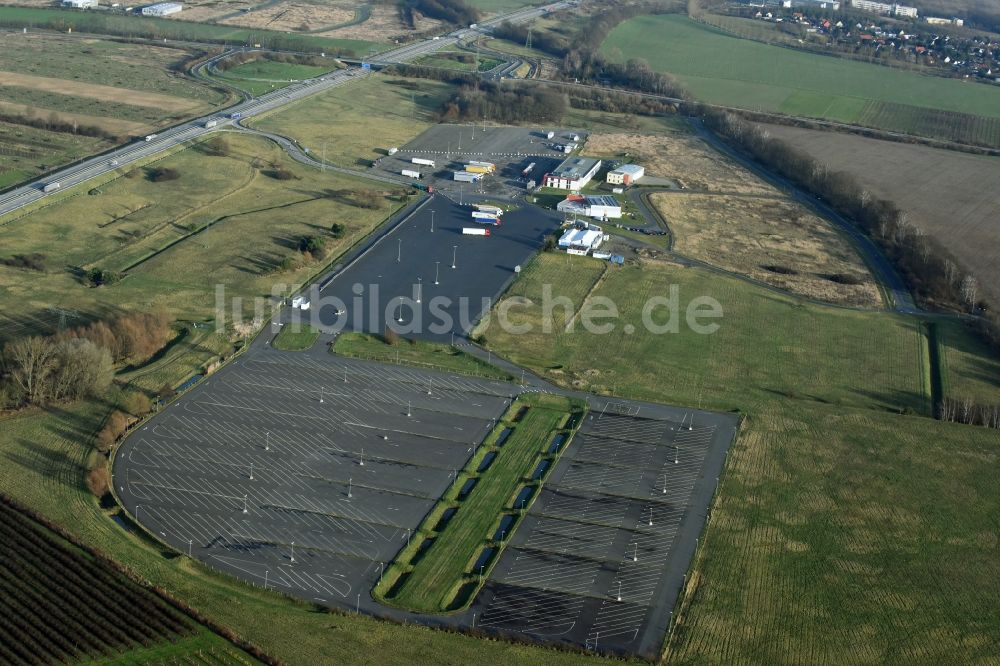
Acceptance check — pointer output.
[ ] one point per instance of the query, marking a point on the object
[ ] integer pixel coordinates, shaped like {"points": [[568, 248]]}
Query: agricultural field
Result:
{"points": [[229, 221], [948, 195], [419, 353], [442, 577], [183, 29], [723, 69], [354, 125], [59, 603], [112, 89], [772, 239], [681, 157], [840, 501]]}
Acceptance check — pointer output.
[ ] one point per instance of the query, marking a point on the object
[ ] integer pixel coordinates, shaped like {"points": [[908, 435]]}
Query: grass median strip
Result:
{"points": [[294, 337], [419, 353], [445, 561]]}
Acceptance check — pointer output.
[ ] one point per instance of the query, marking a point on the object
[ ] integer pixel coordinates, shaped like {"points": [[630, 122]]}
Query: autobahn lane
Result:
{"points": [[173, 137]]}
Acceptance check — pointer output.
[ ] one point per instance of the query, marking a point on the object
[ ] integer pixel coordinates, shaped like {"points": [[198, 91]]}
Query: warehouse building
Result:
{"points": [[79, 4], [573, 174], [626, 174], [601, 207], [162, 9]]}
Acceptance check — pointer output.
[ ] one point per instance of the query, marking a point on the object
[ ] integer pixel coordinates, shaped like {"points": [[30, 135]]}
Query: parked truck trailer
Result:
{"points": [[421, 160], [410, 173], [467, 177], [475, 231]]}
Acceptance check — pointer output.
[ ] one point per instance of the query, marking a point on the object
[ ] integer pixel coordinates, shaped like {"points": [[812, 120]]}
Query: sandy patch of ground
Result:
{"points": [[96, 91], [771, 239], [683, 158], [383, 25], [114, 125], [294, 16]]}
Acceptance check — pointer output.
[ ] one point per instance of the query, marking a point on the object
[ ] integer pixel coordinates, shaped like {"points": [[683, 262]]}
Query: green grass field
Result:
{"points": [[295, 338], [722, 69], [26, 152], [262, 76], [226, 223], [421, 353], [838, 515], [450, 60], [444, 577], [359, 122]]}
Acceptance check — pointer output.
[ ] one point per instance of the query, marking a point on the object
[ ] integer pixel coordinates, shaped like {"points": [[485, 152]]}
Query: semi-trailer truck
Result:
{"points": [[150, 137], [51, 187], [211, 123], [420, 160], [483, 216], [235, 115], [409, 173], [475, 231]]}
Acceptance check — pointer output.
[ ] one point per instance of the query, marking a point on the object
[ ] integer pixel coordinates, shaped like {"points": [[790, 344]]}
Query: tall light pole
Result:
{"points": [[432, 221], [350, 483], [245, 504], [321, 394], [362, 462], [293, 553], [399, 312], [454, 255], [266, 572], [399, 251], [251, 471], [437, 272], [267, 440], [420, 284]]}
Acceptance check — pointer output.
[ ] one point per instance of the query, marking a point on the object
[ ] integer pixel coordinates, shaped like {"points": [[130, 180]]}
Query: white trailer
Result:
{"points": [[420, 160], [211, 123], [475, 231], [393, 151], [150, 137], [496, 211], [51, 187], [484, 215], [467, 176], [298, 301], [409, 173]]}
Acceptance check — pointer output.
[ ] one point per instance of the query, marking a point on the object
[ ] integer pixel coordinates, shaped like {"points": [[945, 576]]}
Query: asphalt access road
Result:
{"points": [[411, 263]]}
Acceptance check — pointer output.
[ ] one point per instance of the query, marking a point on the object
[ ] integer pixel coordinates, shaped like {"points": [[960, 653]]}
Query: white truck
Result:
{"points": [[475, 231], [211, 123], [51, 187], [410, 173], [150, 137], [420, 160]]}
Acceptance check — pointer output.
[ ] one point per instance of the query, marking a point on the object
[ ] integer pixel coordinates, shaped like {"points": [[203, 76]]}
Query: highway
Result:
{"points": [[167, 139]]}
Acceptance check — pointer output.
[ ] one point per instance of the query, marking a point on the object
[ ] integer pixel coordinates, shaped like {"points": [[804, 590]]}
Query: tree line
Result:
{"points": [[56, 123], [457, 12], [504, 104], [80, 362]]}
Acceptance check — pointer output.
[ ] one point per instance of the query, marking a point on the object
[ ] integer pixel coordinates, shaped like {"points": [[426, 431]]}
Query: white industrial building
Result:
{"points": [[79, 4], [626, 174], [884, 8], [582, 240], [573, 174], [601, 207], [162, 9]]}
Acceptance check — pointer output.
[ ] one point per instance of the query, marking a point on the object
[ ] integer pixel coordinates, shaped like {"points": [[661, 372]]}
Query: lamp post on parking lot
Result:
{"points": [[454, 255], [267, 440], [399, 251], [420, 284], [350, 483], [432, 221], [437, 272], [245, 504]]}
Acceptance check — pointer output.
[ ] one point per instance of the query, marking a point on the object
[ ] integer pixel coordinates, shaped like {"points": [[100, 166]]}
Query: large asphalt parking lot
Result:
{"points": [[412, 262], [306, 472]]}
